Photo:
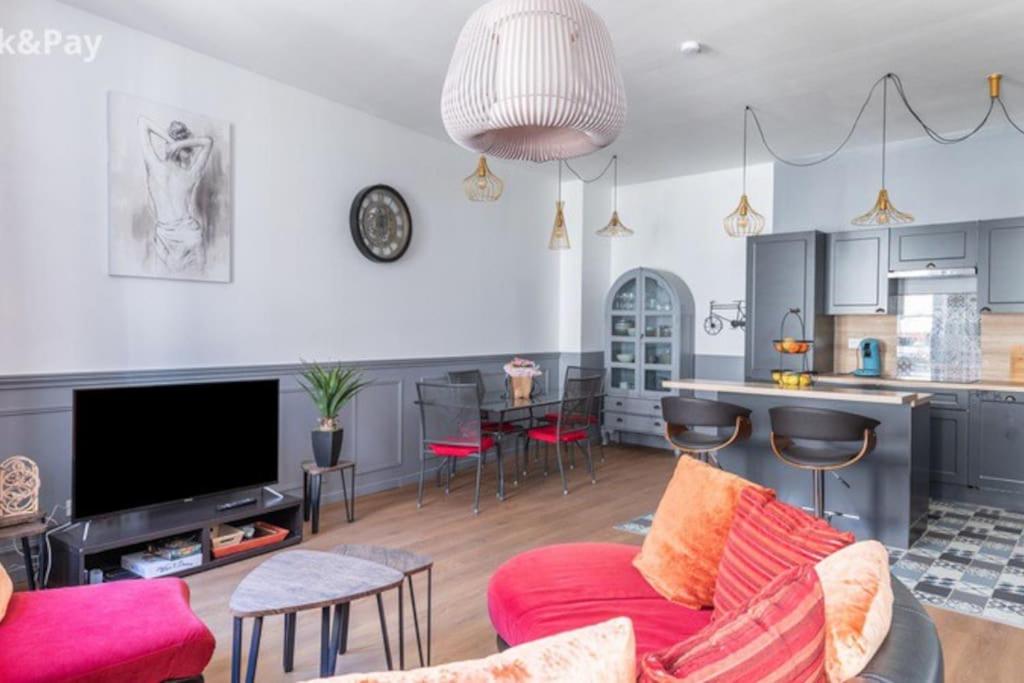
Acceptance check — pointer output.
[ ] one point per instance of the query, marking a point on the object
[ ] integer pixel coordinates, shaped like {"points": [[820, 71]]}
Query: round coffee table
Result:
{"points": [[408, 563], [297, 580]]}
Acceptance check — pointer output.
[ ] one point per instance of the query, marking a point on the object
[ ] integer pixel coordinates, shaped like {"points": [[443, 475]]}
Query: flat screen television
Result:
{"points": [[134, 447]]}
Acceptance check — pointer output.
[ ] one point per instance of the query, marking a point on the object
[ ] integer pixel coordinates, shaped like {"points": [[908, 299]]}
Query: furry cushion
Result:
{"points": [[681, 553], [602, 653], [858, 606]]}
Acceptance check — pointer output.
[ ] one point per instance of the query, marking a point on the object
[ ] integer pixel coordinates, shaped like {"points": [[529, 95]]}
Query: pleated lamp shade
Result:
{"points": [[534, 80]]}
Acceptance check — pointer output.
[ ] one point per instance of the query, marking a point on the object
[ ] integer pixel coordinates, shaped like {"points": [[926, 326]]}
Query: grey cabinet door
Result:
{"points": [[949, 446], [949, 245], [996, 458], [785, 271], [1001, 266], [857, 274]]}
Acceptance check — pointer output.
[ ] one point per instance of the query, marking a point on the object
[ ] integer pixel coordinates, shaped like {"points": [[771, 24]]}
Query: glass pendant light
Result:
{"points": [[744, 221], [482, 185], [615, 228], [883, 212], [559, 234]]}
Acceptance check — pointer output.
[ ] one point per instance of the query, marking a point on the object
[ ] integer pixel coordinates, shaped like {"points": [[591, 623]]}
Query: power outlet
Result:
{"points": [[67, 508], [852, 343]]}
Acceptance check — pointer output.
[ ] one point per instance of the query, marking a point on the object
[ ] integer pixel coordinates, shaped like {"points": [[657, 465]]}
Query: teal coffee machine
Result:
{"points": [[869, 358]]}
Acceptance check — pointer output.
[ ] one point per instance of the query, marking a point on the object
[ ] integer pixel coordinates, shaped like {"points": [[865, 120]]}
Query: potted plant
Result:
{"points": [[330, 388], [521, 373]]}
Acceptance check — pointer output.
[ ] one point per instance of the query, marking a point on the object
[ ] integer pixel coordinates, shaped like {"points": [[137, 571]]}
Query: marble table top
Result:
{"points": [[295, 580], [400, 560]]}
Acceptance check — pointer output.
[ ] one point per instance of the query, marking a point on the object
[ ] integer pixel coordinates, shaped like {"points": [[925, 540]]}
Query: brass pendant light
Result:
{"points": [[744, 221], [482, 185], [883, 212], [559, 234], [615, 228]]}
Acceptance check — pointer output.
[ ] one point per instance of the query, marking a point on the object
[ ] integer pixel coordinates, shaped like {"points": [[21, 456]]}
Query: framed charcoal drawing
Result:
{"points": [[170, 192]]}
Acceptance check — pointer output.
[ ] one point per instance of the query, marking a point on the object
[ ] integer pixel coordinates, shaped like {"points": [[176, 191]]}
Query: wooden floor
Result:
{"points": [[467, 549]]}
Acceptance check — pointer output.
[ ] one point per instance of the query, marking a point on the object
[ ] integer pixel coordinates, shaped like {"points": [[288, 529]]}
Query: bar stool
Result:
{"points": [[682, 414], [821, 440]]}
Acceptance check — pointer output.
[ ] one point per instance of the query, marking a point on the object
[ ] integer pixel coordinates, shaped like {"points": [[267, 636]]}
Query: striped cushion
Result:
{"points": [[768, 537], [776, 637]]}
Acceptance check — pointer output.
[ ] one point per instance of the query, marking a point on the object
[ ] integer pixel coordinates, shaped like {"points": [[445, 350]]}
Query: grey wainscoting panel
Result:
{"points": [[381, 426]]}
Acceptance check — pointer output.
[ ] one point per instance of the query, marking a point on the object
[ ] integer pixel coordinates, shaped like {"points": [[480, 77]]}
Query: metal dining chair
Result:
{"points": [[821, 441], [499, 430], [572, 428], [450, 429], [597, 406]]}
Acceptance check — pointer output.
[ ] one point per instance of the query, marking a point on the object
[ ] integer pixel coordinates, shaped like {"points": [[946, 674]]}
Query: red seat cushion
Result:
{"points": [[503, 427], [562, 587], [779, 635], [460, 451], [549, 434], [766, 538], [137, 631]]}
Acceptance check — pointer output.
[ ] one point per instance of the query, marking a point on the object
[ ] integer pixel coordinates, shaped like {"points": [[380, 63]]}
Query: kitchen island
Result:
{"points": [[885, 495]]}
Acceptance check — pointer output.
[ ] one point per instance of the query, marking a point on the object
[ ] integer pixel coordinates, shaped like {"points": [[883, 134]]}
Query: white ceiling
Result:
{"points": [[804, 64]]}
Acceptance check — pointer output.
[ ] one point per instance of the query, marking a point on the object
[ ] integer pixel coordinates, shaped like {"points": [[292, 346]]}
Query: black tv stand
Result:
{"points": [[241, 502], [75, 553]]}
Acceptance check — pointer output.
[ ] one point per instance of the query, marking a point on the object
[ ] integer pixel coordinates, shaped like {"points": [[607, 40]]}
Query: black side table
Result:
{"points": [[312, 480], [23, 532]]}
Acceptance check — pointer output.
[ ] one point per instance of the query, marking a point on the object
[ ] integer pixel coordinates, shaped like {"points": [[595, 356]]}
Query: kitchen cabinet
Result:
{"points": [[786, 271], [949, 446], [1000, 269], [996, 457], [920, 247], [857, 273]]}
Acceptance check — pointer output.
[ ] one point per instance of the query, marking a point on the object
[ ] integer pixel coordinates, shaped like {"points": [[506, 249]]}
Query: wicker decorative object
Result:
{"points": [[19, 490]]}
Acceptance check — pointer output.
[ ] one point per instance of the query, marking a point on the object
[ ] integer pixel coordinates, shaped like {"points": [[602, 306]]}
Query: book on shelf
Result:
{"points": [[149, 565]]}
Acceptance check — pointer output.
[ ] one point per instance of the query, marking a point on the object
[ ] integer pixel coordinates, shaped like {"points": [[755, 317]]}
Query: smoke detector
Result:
{"points": [[690, 47]]}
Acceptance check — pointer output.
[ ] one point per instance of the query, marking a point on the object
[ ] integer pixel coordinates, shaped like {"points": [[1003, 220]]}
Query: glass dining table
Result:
{"points": [[509, 417]]}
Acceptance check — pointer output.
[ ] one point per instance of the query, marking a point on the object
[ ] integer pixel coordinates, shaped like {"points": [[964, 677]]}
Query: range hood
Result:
{"points": [[932, 273]]}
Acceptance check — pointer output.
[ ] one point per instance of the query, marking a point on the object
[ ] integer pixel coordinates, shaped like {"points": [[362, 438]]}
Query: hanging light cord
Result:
{"points": [[586, 181], [901, 91]]}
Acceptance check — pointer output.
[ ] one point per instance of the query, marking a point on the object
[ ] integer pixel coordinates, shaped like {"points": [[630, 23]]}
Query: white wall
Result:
{"points": [[678, 224], [477, 279], [977, 179]]}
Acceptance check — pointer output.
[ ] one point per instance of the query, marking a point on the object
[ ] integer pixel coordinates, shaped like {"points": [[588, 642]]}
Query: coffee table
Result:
{"points": [[408, 563], [297, 580]]}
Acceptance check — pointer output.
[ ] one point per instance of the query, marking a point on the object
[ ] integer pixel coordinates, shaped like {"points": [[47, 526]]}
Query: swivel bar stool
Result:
{"points": [[682, 414], [821, 441]]}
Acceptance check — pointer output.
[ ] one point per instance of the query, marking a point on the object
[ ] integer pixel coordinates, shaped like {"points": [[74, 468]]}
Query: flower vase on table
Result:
{"points": [[521, 372]]}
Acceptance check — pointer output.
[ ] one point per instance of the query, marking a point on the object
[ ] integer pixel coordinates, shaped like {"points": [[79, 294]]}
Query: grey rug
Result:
{"points": [[969, 560]]}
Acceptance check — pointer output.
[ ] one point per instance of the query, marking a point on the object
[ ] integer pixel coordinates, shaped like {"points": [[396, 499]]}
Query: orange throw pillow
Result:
{"points": [[602, 653], [680, 555], [6, 590], [858, 606]]}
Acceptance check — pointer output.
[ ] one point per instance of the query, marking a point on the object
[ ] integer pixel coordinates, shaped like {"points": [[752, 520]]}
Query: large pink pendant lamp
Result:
{"points": [[534, 80]]}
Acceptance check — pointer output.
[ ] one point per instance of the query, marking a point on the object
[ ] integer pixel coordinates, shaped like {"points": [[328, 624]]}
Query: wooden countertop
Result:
{"points": [[825, 393], [983, 385]]}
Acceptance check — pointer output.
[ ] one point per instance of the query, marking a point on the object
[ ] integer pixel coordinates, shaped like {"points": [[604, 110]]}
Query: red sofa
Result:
{"points": [[557, 588], [127, 631], [561, 587]]}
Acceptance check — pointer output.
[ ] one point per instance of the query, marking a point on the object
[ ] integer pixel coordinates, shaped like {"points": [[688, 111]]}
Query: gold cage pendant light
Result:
{"points": [[559, 233], [744, 221], [482, 185], [883, 212], [615, 227]]}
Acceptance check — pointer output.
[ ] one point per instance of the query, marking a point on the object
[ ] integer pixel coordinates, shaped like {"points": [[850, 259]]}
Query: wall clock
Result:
{"points": [[381, 224]]}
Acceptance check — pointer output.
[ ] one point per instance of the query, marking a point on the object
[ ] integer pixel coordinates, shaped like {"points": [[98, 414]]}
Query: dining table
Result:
{"points": [[522, 413]]}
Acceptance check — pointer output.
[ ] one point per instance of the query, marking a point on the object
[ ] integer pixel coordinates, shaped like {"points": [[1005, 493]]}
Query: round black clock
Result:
{"points": [[381, 224]]}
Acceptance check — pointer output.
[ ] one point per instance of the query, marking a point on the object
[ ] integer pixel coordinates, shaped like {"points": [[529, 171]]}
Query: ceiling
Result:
{"points": [[804, 65]]}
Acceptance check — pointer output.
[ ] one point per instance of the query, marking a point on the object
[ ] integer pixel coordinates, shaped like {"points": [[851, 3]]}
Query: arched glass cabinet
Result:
{"points": [[649, 332]]}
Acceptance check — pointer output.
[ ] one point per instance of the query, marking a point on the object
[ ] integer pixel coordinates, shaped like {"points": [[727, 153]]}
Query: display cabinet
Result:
{"points": [[649, 328]]}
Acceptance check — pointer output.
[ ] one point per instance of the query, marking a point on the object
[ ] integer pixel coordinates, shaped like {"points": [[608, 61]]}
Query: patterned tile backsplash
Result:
{"points": [[938, 337]]}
